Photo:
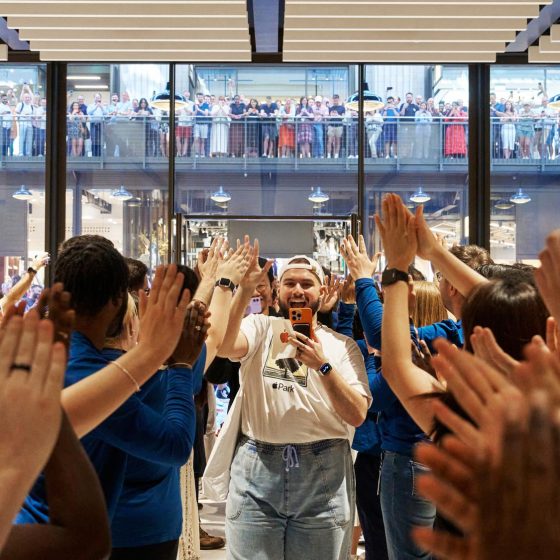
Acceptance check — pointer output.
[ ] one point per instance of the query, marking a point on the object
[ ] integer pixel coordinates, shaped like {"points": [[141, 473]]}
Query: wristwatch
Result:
{"points": [[31, 270], [325, 369], [226, 283], [392, 276]]}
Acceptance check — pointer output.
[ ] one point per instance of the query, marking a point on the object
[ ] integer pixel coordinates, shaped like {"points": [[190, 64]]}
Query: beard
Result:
{"points": [[285, 308]]}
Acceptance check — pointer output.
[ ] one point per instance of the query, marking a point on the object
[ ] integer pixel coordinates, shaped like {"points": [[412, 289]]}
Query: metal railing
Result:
{"points": [[145, 139]]}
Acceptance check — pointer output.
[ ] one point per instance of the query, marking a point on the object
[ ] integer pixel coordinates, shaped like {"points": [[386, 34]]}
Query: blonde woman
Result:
{"points": [[428, 305]]}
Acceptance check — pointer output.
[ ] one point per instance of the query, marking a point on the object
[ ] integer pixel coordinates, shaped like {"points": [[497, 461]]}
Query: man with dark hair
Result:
{"points": [[137, 275], [472, 255], [407, 112]]}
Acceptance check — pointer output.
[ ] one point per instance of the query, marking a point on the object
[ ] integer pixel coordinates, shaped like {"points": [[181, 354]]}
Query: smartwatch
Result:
{"points": [[392, 276], [225, 283], [325, 369]]}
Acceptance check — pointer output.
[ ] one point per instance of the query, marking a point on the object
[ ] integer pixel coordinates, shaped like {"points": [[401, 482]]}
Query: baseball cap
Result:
{"points": [[306, 263], [318, 98]]}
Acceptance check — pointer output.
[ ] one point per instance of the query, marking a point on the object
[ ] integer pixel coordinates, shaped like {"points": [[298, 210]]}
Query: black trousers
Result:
{"points": [[162, 551], [366, 468]]}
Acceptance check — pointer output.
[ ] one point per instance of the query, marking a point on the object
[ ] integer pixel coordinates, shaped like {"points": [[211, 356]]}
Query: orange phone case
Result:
{"points": [[302, 316]]}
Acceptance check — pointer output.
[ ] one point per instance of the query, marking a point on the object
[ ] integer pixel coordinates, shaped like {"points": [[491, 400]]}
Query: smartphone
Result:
{"points": [[254, 307], [302, 320]]}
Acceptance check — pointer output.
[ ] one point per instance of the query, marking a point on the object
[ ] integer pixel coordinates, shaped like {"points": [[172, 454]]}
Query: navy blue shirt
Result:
{"points": [[134, 429]]}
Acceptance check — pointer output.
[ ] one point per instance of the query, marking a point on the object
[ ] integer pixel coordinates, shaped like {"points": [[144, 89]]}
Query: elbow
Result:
{"points": [[359, 415]]}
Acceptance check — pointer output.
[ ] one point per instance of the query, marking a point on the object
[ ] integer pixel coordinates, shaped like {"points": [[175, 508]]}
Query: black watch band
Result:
{"points": [[392, 276], [31, 270], [226, 283]]}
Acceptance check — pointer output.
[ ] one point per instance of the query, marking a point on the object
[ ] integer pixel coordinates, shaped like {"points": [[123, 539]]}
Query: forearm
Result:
{"points": [[405, 379], [18, 291], [370, 310], [238, 306], [347, 402], [14, 486], [219, 318], [205, 290], [76, 509], [457, 273], [93, 399]]}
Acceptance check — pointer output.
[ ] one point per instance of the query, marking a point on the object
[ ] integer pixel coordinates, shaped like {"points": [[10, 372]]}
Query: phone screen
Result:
{"points": [[254, 307], [303, 328]]}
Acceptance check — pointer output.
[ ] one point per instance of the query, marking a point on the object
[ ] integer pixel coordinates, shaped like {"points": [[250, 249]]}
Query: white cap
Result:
{"points": [[308, 264], [318, 98]]}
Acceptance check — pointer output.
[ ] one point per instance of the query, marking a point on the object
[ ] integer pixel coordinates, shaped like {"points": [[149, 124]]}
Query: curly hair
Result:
{"points": [[94, 273]]}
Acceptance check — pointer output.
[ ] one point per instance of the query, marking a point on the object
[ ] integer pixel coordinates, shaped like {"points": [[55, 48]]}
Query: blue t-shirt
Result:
{"points": [[134, 429], [149, 510]]}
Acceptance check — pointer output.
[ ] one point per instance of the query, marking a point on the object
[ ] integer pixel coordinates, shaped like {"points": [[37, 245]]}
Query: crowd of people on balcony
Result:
{"points": [[317, 127]]}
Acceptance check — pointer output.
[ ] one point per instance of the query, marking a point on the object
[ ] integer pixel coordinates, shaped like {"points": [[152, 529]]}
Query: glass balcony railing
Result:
{"points": [[287, 141]]}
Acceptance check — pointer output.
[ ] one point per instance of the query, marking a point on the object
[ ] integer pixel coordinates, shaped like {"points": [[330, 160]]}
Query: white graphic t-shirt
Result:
{"points": [[284, 401]]}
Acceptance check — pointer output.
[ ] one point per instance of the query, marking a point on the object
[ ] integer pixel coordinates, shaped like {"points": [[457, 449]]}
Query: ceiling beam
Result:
{"points": [[366, 36], [374, 58], [121, 35], [140, 45], [185, 23], [351, 47], [153, 10], [145, 56], [423, 11], [398, 24]]}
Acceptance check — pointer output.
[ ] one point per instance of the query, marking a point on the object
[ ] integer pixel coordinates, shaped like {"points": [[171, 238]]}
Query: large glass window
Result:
{"points": [[525, 147], [266, 141], [416, 144], [22, 169], [118, 149]]}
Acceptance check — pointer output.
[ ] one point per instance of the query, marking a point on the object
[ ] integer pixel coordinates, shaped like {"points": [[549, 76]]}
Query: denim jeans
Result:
{"points": [[25, 139], [318, 141], [402, 507], [288, 502], [367, 467]]}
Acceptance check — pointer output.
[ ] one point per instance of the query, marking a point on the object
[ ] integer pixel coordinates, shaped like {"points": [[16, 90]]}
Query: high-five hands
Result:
{"points": [[356, 257]]}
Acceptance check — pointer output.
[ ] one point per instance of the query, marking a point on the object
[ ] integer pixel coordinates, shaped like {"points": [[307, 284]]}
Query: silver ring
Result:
{"points": [[197, 328]]}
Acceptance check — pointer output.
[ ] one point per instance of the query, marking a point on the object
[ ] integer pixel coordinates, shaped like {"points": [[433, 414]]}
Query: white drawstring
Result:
{"points": [[289, 456]]}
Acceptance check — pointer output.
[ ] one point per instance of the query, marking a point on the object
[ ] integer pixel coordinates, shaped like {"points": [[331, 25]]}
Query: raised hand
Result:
{"points": [[548, 275], [486, 348], [348, 291], [330, 299], [55, 304], [398, 233], [208, 261], [162, 314], [31, 378], [481, 391], [357, 260], [40, 261], [193, 335], [255, 273], [234, 265], [428, 243]]}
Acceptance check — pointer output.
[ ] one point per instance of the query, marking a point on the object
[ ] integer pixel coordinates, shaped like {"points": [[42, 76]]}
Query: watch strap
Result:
{"points": [[225, 283], [392, 276]]}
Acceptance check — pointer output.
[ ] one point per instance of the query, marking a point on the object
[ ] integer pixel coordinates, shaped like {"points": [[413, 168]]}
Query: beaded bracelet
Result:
{"points": [[128, 374]]}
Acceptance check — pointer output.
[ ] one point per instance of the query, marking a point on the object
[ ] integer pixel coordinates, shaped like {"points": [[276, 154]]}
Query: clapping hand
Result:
{"points": [[255, 273], [55, 304], [193, 335], [357, 260], [234, 265], [330, 299], [398, 233]]}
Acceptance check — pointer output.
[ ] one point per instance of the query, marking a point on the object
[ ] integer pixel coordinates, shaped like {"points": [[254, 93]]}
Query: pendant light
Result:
{"points": [[317, 196], [23, 193], [372, 101], [220, 196], [121, 194], [420, 197], [162, 100], [520, 197]]}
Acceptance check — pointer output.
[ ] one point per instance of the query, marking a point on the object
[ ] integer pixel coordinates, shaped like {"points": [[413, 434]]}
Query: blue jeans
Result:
{"points": [[288, 502], [402, 507], [318, 141]]}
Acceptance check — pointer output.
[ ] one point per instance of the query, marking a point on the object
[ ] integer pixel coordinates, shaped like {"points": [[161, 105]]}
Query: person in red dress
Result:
{"points": [[455, 132]]}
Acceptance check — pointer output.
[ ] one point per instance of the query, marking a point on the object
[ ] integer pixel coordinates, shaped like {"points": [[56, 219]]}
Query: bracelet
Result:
{"points": [[128, 374], [180, 364]]}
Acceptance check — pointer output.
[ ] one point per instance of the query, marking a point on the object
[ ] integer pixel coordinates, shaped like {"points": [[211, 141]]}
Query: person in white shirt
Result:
{"points": [[25, 112], [6, 119], [291, 493], [96, 113]]}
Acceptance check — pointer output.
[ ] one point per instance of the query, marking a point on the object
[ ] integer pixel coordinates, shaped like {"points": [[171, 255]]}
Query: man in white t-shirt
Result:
{"points": [[291, 492]]}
